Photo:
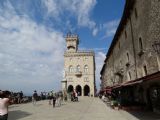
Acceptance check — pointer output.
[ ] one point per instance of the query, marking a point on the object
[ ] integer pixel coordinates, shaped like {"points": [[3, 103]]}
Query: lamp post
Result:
{"points": [[156, 46]]}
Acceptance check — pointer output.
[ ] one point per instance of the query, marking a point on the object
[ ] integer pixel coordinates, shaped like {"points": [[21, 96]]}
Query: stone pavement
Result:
{"points": [[86, 109]]}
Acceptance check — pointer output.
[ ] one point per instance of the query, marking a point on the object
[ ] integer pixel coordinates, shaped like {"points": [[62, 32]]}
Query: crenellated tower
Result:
{"points": [[72, 42]]}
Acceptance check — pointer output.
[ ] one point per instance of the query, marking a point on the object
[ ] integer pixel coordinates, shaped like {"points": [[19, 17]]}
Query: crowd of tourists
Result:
{"points": [[54, 98], [7, 98], [18, 97]]}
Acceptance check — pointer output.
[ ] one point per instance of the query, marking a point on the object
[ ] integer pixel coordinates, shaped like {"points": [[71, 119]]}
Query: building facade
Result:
{"points": [[79, 67], [131, 55]]}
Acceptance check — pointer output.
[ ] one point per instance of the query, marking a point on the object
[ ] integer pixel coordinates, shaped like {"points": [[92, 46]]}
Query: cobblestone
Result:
{"points": [[86, 109]]}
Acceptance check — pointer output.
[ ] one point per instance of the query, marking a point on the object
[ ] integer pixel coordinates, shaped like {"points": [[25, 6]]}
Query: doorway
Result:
{"points": [[79, 90], [86, 90]]}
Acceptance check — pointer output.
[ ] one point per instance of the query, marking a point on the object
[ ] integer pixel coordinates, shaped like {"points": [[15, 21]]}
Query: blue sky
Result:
{"points": [[32, 38]]}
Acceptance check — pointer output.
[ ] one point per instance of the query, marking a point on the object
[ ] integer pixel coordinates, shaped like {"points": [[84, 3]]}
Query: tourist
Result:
{"points": [[50, 96], [72, 96], [20, 97], [41, 95], [4, 103], [64, 96], [76, 96], [34, 97], [54, 100], [59, 99]]}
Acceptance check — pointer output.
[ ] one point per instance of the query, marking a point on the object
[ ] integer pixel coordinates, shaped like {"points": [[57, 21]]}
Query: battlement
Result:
{"points": [[69, 35]]}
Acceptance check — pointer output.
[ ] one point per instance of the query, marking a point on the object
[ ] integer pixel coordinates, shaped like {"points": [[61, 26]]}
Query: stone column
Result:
{"points": [[82, 92]]}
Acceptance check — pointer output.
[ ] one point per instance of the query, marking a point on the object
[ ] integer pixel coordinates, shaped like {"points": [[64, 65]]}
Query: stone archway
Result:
{"points": [[70, 89], [79, 90], [86, 90]]}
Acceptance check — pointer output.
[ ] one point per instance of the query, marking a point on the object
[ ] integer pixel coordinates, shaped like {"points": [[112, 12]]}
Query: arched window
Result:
{"points": [[78, 68], [127, 57], [86, 68], [145, 70], [71, 68], [130, 77], [140, 44], [135, 13]]}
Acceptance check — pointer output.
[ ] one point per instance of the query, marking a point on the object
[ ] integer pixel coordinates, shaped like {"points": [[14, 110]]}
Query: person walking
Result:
{"points": [[54, 100], [18, 97], [21, 97], [59, 100], [34, 97], [4, 103], [50, 97], [76, 96]]}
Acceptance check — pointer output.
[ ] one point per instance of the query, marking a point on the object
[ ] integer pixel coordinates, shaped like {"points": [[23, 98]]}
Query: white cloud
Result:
{"points": [[95, 31], [80, 9], [110, 28], [31, 56], [99, 58], [52, 7], [83, 12]]}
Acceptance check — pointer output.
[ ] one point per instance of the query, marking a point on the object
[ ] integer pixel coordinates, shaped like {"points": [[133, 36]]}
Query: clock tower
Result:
{"points": [[79, 68], [72, 42]]}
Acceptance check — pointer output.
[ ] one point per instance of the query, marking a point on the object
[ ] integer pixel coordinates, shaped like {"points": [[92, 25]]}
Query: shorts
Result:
{"points": [[4, 117]]}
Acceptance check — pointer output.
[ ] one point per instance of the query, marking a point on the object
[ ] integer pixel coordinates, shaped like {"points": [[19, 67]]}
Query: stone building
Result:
{"points": [[131, 56], [79, 67]]}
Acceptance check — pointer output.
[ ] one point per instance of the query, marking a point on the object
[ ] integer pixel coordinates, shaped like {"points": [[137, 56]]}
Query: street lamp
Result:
{"points": [[156, 46]]}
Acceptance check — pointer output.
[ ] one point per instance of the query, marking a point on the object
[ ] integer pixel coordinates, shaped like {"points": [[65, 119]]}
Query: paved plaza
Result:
{"points": [[86, 109]]}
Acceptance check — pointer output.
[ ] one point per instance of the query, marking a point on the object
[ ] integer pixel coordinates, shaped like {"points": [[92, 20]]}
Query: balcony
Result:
{"points": [[78, 73]]}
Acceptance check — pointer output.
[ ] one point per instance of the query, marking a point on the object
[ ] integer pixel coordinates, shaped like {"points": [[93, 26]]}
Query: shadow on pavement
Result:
{"points": [[13, 106], [142, 115], [17, 114]]}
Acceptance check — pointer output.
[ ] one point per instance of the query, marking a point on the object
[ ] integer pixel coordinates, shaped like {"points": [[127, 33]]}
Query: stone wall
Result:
{"points": [[132, 55]]}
